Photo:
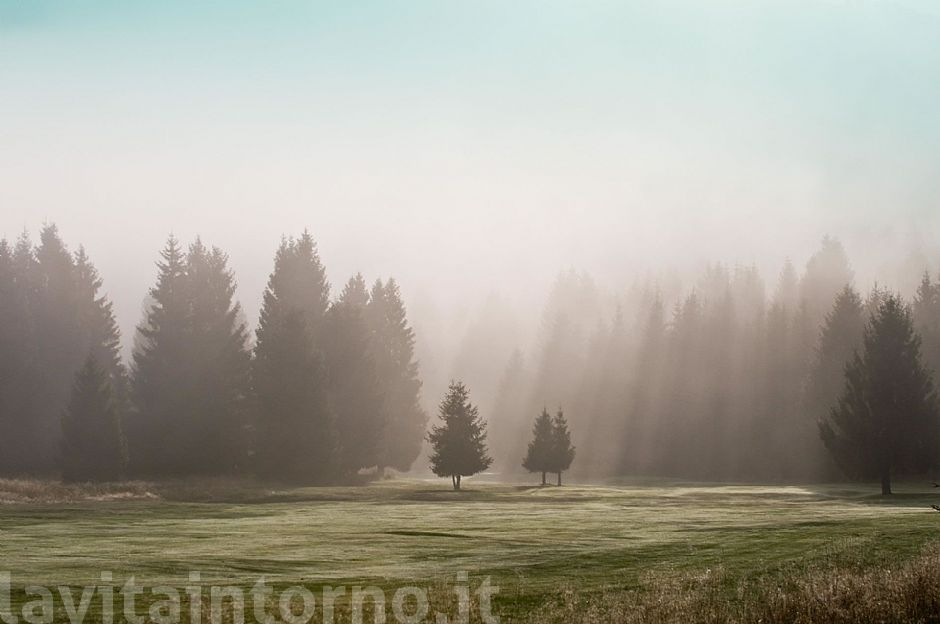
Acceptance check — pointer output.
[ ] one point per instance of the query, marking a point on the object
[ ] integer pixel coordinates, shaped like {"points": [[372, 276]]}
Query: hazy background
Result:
{"points": [[474, 150]]}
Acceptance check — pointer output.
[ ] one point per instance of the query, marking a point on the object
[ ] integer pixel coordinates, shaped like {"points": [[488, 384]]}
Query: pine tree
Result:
{"points": [[59, 342], [459, 442], [162, 371], [96, 315], [839, 338], [19, 377], [542, 447], [220, 360], [356, 400], [926, 311], [886, 421], [827, 273], [190, 369], [562, 452], [294, 430], [393, 350], [51, 317], [93, 447]]}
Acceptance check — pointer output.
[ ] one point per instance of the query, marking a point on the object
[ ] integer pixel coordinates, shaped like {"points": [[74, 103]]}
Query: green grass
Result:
{"points": [[533, 542]]}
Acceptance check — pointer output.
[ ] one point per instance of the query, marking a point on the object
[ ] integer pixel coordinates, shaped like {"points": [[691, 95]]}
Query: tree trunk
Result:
{"points": [[559, 479], [453, 481], [886, 482], [458, 482], [543, 478]]}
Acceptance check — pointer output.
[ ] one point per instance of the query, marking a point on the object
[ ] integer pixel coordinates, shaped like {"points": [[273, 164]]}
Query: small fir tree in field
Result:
{"points": [[562, 452], [93, 447], [459, 442], [539, 455], [886, 421]]}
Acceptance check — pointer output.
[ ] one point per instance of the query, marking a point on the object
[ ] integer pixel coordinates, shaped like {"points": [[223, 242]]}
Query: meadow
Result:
{"points": [[627, 552]]}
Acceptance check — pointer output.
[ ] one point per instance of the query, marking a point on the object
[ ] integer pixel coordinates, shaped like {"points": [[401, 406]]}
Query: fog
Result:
{"points": [[475, 153]]}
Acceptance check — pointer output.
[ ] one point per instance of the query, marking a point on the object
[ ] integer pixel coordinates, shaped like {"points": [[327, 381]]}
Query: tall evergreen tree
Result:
{"points": [[93, 447], [393, 351], [356, 400], [220, 360], [840, 337], [294, 430], [59, 341], [19, 377], [52, 316], [96, 316], [459, 443], [827, 273], [886, 421], [562, 451], [541, 450], [926, 311], [190, 369], [162, 371]]}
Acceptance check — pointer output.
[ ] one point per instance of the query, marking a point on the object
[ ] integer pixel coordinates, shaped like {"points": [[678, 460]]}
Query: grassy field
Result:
{"points": [[546, 548]]}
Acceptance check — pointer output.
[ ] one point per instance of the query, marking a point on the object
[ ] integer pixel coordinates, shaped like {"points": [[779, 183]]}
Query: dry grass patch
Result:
{"points": [[905, 593], [35, 491]]}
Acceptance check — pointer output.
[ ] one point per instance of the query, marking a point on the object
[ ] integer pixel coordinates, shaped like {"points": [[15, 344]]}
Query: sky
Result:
{"points": [[477, 147]]}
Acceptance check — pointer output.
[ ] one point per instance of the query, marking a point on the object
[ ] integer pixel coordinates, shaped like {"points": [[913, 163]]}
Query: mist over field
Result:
{"points": [[249, 248]]}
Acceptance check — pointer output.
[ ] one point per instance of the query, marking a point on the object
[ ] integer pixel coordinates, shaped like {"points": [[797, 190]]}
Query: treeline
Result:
{"points": [[328, 388], [727, 380]]}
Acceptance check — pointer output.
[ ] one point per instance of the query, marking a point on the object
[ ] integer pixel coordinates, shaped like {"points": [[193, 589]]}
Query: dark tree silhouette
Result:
{"points": [[886, 421], [355, 397], [840, 337], [294, 433], [459, 442], [562, 452], [51, 317], [926, 311], [160, 376], [541, 449], [190, 377], [827, 273], [20, 382], [93, 447], [220, 363], [393, 345]]}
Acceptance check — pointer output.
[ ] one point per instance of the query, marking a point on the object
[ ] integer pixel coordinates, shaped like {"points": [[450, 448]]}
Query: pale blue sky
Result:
{"points": [[495, 141]]}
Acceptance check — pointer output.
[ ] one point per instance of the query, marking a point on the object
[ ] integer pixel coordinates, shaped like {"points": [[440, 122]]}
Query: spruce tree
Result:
{"points": [[19, 377], [190, 369], [926, 311], [103, 336], [840, 337], [220, 360], [59, 342], [356, 400], [886, 421], [162, 371], [393, 350], [93, 447], [542, 447], [459, 443], [51, 316], [827, 273], [562, 452], [294, 429]]}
